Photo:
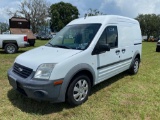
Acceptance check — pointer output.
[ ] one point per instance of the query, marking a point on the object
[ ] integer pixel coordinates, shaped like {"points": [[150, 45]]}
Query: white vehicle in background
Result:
{"points": [[11, 43], [158, 46], [84, 53]]}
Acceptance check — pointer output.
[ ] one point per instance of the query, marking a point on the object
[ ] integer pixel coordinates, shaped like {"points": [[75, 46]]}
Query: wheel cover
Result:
{"points": [[136, 66], [10, 49], [80, 90]]}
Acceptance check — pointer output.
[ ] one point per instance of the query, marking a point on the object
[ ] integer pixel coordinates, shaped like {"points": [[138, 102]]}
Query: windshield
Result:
{"points": [[75, 36]]}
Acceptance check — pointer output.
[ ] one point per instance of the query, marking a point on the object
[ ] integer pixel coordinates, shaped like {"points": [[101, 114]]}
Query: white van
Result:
{"points": [[84, 53]]}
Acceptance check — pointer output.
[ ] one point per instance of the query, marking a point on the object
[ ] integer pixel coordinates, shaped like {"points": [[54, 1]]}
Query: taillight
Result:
{"points": [[25, 38]]}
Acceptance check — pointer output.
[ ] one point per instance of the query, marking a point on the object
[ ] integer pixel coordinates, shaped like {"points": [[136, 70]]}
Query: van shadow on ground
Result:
{"points": [[19, 51], [36, 107]]}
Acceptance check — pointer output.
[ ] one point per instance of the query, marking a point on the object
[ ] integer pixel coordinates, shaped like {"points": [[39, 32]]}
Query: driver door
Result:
{"points": [[108, 62]]}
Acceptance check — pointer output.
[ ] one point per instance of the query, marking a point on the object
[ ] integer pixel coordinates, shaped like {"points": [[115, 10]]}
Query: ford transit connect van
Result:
{"points": [[84, 53]]}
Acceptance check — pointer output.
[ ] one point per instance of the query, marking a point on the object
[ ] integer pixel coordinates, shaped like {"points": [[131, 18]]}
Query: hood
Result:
{"points": [[44, 54]]}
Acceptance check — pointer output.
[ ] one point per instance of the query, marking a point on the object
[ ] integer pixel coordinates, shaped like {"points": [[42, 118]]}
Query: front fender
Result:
{"points": [[71, 73]]}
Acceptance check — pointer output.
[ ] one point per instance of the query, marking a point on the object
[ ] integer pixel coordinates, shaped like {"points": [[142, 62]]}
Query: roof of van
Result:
{"points": [[103, 19]]}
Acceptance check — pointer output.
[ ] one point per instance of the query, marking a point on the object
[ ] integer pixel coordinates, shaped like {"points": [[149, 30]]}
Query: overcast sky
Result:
{"points": [[129, 8]]}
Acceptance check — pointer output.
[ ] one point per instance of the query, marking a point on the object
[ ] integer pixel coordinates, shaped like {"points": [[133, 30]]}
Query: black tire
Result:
{"points": [[32, 44], [10, 48], [157, 49], [134, 66], [79, 90]]}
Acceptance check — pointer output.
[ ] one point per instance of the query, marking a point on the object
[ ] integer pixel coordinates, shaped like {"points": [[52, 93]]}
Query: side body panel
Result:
{"points": [[130, 40], [129, 46]]}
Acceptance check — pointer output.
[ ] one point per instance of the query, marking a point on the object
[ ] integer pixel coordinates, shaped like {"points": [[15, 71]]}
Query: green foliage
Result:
{"points": [[34, 10], [61, 14], [150, 24], [3, 27]]}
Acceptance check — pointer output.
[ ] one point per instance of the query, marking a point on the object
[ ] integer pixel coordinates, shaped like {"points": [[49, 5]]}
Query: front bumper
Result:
{"points": [[35, 89]]}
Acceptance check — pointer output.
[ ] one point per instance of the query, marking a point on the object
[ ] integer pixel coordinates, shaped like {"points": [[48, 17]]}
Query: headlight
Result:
{"points": [[44, 71]]}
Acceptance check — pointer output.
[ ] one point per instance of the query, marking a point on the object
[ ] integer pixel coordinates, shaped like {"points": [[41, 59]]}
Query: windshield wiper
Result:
{"points": [[62, 46]]}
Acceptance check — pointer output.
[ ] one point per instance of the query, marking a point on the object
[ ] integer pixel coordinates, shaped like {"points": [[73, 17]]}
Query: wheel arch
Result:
{"points": [[136, 55], [5, 42], [77, 70]]}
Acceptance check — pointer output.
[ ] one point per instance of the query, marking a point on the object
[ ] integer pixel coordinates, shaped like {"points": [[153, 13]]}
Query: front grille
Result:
{"points": [[22, 71]]}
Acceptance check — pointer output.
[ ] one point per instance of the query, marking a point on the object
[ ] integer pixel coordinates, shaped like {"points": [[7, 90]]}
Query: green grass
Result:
{"points": [[121, 97]]}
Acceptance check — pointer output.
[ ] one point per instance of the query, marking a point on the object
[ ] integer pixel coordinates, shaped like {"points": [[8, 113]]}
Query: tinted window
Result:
{"points": [[109, 36], [112, 36]]}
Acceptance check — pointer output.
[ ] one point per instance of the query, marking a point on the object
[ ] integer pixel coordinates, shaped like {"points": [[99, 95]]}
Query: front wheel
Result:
{"points": [[78, 90], [10, 48], [135, 66]]}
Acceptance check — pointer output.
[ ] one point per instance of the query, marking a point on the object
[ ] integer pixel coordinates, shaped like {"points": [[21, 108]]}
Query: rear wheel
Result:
{"points": [[157, 49], [135, 66], [31, 42], [78, 90], [10, 48]]}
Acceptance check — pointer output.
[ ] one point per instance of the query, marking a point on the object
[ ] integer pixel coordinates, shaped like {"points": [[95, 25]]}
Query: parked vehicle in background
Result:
{"points": [[153, 39], [84, 53], [22, 26], [144, 38], [158, 46], [11, 43], [53, 35], [44, 36]]}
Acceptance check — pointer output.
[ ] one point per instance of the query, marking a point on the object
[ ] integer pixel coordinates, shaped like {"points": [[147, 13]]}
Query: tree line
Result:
{"points": [[60, 14], [3, 27], [150, 24]]}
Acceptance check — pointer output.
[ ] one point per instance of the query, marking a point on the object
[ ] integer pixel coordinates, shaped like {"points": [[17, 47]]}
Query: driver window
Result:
{"points": [[102, 40], [112, 36], [109, 36]]}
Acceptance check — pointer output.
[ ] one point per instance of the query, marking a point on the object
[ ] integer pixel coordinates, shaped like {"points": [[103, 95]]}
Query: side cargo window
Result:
{"points": [[109, 36]]}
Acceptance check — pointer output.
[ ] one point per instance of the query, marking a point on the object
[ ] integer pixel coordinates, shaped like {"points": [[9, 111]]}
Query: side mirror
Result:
{"points": [[101, 49], [104, 48]]}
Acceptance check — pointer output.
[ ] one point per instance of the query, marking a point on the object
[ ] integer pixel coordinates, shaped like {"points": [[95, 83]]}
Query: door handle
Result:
{"points": [[117, 52], [123, 50]]}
